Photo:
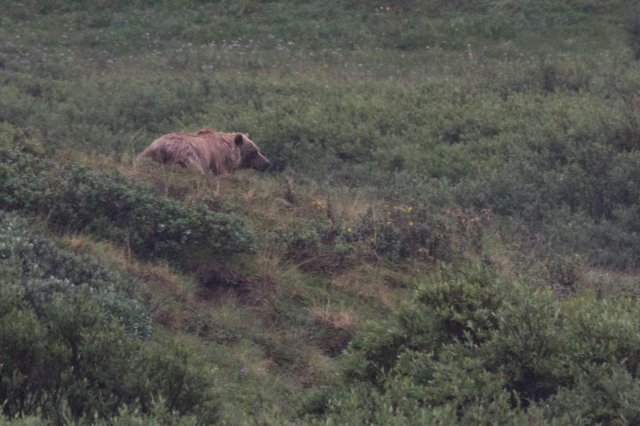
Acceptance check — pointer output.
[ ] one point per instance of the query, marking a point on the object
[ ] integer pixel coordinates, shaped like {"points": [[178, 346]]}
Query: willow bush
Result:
{"points": [[473, 348]]}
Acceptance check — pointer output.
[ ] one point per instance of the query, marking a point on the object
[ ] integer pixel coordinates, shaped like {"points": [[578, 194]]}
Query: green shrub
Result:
{"points": [[484, 351], [72, 343], [525, 136], [315, 248], [408, 232], [603, 394], [396, 233], [565, 273], [45, 273], [457, 308], [70, 359], [76, 199], [114, 208]]}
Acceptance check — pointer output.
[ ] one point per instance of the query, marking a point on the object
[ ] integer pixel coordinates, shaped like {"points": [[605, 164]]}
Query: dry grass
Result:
{"points": [[373, 283], [610, 283], [350, 206], [172, 294], [273, 263], [342, 320]]}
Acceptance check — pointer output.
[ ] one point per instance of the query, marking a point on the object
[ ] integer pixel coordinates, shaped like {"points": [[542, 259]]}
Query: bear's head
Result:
{"points": [[250, 155]]}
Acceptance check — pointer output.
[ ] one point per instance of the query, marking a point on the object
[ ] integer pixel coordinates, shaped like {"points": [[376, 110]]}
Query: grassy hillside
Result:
{"points": [[449, 231]]}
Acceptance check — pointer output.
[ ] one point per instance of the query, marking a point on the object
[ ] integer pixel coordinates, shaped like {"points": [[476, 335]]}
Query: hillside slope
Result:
{"points": [[449, 232]]}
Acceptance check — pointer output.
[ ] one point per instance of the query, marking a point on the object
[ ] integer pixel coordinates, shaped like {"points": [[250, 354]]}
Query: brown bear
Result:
{"points": [[207, 149]]}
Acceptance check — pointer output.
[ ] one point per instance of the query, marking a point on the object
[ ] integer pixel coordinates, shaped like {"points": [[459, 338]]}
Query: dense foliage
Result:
{"points": [[471, 349], [72, 343], [550, 140], [410, 140], [389, 232], [46, 272], [77, 199]]}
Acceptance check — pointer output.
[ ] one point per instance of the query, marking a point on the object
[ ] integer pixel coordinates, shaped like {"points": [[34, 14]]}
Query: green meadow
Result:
{"points": [[449, 232]]}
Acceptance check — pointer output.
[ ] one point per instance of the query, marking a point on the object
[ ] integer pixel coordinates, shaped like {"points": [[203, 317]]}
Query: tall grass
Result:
{"points": [[404, 136], [524, 137]]}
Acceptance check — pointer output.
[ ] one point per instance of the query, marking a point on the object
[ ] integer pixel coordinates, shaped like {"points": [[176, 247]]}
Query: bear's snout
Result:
{"points": [[261, 163]]}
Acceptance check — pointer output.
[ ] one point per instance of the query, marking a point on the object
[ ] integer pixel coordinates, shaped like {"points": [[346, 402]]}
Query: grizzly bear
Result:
{"points": [[207, 149]]}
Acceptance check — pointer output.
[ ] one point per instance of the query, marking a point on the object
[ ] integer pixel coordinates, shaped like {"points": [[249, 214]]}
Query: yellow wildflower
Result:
{"points": [[319, 204]]}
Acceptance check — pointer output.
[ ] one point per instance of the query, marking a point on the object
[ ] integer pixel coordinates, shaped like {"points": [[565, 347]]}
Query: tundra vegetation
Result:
{"points": [[449, 232]]}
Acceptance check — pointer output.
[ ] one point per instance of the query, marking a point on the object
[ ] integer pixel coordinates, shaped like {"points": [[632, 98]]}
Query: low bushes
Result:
{"points": [[397, 233], [521, 133], [492, 104], [67, 359], [73, 333], [73, 340], [114, 208], [45, 273], [473, 349], [77, 199]]}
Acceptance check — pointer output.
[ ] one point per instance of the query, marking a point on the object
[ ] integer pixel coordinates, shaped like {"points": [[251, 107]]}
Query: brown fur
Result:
{"points": [[207, 149]]}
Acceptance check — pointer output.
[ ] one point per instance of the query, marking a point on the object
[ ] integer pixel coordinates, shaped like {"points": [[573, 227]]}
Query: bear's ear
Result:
{"points": [[239, 139]]}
